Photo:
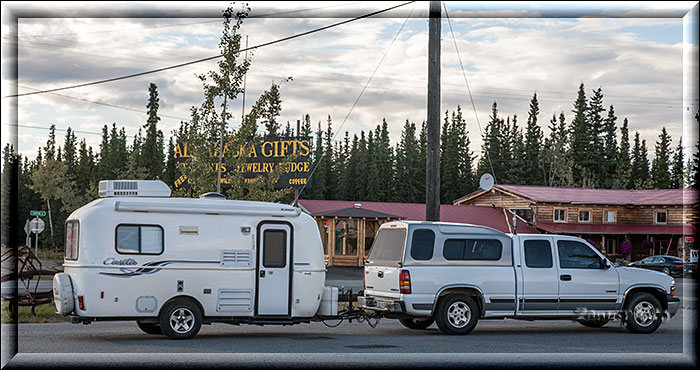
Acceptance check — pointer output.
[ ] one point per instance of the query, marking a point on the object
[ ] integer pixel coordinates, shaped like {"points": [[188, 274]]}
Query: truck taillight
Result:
{"points": [[81, 303], [405, 282]]}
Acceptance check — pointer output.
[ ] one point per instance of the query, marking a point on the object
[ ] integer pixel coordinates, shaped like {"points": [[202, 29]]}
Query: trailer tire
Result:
{"points": [[63, 294], [180, 319], [149, 328], [416, 323], [457, 314], [642, 313]]}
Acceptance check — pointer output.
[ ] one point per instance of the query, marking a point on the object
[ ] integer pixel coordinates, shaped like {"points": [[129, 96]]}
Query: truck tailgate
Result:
{"points": [[382, 281]]}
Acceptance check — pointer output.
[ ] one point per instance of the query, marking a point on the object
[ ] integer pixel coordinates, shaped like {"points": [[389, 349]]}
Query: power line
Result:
{"points": [[105, 104], [212, 57], [318, 162]]}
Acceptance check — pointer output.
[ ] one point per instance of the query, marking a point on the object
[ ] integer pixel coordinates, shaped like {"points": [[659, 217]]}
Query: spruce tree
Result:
{"points": [[517, 166], [151, 156], [317, 184], [677, 169], [171, 173], [580, 139], [595, 153], [362, 159], [385, 163], [610, 155], [371, 170], [69, 151], [623, 174], [640, 165], [660, 168], [353, 170], [327, 163], [408, 166], [559, 168], [532, 156]]}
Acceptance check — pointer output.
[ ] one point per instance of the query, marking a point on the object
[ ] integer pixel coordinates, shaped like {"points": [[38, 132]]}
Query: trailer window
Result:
{"points": [[388, 247], [472, 250], [422, 245], [139, 239], [274, 248], [71, 245]]}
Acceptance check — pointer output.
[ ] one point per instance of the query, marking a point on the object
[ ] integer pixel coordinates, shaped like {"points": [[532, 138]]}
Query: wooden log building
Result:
{"points": [[605, 217]]}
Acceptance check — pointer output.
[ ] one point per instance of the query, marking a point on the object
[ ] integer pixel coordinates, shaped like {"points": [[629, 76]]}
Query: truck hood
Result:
{"points": [[632, 276]]}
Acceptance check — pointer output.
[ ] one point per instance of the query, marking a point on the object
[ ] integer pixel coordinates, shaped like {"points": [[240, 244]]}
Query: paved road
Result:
{"points": [[669, 345]]}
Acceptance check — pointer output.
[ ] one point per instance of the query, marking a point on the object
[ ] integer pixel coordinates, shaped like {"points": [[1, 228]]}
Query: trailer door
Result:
{"points": [[273, 269]]}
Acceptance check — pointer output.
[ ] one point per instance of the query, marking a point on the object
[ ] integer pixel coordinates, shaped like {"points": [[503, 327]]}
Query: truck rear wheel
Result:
{"points": [[642, 313], [149, 328], [457, 314], [180, 319], [415, 323]]}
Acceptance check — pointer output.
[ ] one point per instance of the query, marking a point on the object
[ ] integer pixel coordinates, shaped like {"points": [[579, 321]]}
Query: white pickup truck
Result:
{"points": [[456, 274]]}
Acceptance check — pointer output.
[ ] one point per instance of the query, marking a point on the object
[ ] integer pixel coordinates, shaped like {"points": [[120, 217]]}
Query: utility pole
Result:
{"points": [[432, 160]]}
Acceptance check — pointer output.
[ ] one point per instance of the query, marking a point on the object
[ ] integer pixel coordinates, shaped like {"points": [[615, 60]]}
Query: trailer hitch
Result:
{"points": [[351, 313]]}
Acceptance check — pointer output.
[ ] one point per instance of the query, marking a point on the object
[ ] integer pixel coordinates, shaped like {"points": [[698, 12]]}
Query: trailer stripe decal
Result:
{"points": [[153, 267]]}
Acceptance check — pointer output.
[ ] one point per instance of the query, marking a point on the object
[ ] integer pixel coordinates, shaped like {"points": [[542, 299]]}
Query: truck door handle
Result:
{"points": [[262, 273], [565, 277]]}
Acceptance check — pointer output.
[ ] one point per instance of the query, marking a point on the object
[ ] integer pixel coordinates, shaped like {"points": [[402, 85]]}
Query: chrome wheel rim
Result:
{"points": [[459, 314], [182, 320], [644, 313]]}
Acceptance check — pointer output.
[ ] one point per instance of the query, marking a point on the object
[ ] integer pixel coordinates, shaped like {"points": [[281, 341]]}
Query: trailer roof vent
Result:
{"points": [[133, 188], [213, 195]]}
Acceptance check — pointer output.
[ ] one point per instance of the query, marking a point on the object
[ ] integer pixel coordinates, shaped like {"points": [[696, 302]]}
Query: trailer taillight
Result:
{"points": [[81, 303], [405, 282]]}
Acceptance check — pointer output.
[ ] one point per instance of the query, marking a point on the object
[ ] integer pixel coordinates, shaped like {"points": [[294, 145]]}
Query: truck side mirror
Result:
{"points": [[604, 264]]}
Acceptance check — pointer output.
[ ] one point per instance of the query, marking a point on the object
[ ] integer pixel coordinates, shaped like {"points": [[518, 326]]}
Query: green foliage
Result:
{"points": [[660, 167]]}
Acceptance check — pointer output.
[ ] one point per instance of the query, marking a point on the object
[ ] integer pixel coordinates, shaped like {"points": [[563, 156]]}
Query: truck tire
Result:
{"points": [[149, 328], [642, 313], [594, 323], [457, 314], [416, 323], [180, 319]]}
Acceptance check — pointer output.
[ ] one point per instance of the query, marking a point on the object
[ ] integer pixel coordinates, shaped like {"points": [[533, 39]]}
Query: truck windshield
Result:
{"points": [[387, 248]]}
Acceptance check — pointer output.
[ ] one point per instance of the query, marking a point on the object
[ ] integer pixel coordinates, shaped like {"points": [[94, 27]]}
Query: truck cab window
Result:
{"points": [[538, 254], [422, 245], [576, 255]]}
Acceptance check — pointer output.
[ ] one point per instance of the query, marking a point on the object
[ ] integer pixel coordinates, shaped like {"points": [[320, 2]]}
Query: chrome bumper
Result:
{"points": [[378, 304], [673, 305]]}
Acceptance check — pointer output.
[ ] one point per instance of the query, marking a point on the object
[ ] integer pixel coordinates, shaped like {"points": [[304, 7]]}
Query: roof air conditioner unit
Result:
{"points": [[133, 188]]}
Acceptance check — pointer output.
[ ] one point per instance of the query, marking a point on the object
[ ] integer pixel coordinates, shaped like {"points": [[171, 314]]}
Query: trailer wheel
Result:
{"points": [[642, 313], [416, 323], [180, 319], [457, 314], [149, 328]]}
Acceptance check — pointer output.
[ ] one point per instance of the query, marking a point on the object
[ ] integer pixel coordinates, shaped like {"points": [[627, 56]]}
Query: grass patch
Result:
{"points": [[45, 313]]}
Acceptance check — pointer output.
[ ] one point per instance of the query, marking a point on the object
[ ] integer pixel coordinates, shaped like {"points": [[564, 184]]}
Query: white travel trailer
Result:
{"points": [[173, 264]]}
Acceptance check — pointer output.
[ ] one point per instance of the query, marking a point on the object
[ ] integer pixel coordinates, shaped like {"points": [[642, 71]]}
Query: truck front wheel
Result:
{"points": [[457, 314], [642, 313]]}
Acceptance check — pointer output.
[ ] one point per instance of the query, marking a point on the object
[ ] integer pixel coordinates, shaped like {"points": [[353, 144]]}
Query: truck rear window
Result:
{"points": [[387, 248]]}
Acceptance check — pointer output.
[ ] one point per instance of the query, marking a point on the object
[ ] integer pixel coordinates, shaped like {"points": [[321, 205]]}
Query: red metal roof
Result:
{"points": [[583, 228], [475, 215], [605, 196]]}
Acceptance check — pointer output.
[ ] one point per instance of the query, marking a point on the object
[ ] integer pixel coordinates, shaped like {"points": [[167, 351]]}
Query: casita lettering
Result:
{"points": [[124, 262]]}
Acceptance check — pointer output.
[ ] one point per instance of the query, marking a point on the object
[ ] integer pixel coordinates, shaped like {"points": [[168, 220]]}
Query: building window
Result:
{"points": [[524, 213], [584, 215], [610, 216], [660, 217], [559, 215], [609, 246], [139, 239]]}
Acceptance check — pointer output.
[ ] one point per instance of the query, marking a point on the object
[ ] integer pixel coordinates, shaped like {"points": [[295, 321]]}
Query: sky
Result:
{"points": [[509, 51]]}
